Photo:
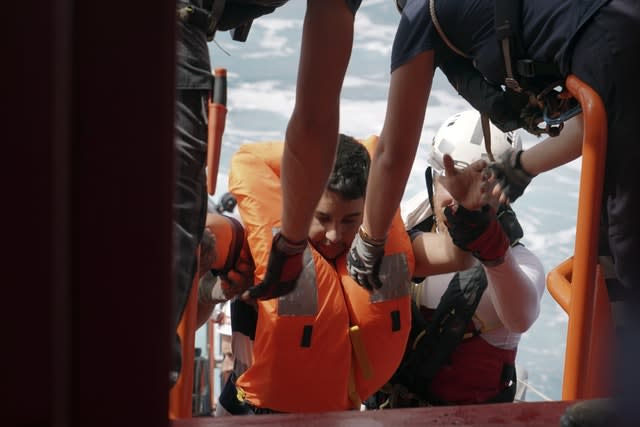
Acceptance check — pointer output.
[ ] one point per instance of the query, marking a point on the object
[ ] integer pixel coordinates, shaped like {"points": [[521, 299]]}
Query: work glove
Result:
{"points": [[478, 232], [240, 277], [508, 171], [363, 261], [283, 269]]}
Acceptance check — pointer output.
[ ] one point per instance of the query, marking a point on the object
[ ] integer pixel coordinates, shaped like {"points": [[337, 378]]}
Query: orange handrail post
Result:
{"points": [[577, 284], [211, 350], [181, 394], [217, 119]]}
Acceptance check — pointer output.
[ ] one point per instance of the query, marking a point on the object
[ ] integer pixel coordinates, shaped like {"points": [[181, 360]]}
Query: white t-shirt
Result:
{"points": [[512, 297]]}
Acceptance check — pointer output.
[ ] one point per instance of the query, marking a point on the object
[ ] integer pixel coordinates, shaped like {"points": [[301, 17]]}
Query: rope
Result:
{"points": [[535, 390]]}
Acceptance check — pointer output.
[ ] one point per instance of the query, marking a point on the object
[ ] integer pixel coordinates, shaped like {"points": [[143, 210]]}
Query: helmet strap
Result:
{"points": [[428, 177], [486, 133]]}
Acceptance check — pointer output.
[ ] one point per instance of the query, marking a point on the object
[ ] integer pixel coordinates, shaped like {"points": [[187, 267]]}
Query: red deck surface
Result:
{"points": [[504, 414]]}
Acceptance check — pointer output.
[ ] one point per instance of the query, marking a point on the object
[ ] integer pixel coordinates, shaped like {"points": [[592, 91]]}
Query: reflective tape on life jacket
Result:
{"points": [[303, 300]]}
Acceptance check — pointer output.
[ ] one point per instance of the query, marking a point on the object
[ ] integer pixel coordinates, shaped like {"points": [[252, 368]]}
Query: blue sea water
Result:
{"points": [[261, 91]]}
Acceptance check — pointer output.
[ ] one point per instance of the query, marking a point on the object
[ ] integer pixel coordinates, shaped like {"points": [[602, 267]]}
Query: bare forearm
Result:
{"points": [[436, 254], [312, 133], [306, 164], [553, 152], [391, 164], [387, 180]]}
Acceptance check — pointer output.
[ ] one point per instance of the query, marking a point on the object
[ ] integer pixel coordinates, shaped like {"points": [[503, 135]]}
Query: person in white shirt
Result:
{"points": [[462, 348]]}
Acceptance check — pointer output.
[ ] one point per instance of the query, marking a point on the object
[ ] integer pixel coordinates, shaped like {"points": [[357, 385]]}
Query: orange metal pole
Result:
{"points": [[181, 395], [211, 348], [559, 283], [599, 382], [581, 303], [217, 119]]}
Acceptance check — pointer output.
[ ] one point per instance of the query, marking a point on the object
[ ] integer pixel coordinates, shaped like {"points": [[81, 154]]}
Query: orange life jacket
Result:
{"points": [[330, 343]]}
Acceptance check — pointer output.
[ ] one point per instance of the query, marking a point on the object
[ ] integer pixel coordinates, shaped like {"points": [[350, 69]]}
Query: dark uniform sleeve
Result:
{"points": [[415, 33], [353, 5]]}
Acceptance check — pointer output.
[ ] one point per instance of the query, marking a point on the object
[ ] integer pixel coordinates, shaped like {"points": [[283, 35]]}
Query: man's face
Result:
{"points": [[335, 224]]}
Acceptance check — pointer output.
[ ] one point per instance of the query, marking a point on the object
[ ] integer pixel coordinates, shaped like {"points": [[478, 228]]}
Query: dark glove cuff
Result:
{"points": [[518, 165], [286, 246], [235, 247], [491, 245], [478, 232]]}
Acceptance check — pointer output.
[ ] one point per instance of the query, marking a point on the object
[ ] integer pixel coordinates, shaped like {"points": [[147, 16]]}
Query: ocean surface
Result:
{"points": [[261, 90]]}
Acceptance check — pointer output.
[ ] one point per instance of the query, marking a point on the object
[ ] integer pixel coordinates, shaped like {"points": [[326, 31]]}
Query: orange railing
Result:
{"points": [[181, 394], [577, 284]]}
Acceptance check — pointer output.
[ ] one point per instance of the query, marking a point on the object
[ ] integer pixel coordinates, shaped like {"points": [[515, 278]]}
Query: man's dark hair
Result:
{"points": [[351, 169]]}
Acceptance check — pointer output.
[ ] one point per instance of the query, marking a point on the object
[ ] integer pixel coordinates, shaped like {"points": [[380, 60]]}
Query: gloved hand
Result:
{"points": [[478, 232], [363, 261], [283, 269], [240, 277], [508, 171]]}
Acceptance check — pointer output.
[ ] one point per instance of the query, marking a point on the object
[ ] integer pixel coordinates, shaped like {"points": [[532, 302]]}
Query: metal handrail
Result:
{"points": [[577, 284]]}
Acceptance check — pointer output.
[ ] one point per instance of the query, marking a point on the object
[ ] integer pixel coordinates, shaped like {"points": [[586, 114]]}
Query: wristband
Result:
{"points": [[518, 164], [366, 237]]}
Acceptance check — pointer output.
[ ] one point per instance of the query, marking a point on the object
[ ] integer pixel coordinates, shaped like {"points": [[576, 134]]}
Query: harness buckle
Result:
{"points": [[526, 68]]}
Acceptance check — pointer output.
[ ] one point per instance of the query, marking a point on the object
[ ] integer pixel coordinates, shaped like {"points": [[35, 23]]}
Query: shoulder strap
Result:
{"points": [[507, 23]]}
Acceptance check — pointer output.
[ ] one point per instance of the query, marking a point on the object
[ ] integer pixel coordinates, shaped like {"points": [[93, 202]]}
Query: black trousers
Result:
{"points": [[606, 57], [190, 199]]}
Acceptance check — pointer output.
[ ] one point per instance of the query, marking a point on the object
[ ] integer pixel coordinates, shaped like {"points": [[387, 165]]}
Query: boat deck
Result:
{"points": [[504, 414]]}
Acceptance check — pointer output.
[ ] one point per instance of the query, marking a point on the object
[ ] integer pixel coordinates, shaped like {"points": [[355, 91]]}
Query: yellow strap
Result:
{"points": [[240, 394], [416, 294], [360, 352], [353, 394], [418, 338]]}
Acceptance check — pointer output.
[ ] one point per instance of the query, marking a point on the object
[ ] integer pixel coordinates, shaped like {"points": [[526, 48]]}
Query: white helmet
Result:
{"points": [[461, 137]]}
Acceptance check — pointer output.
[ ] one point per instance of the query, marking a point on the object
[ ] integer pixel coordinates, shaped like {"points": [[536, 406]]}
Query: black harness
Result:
{"points": [[532, 95], [542, 81], [224, 15], [431, 344]]}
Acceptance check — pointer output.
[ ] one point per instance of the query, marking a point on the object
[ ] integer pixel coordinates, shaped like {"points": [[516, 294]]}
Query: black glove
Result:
{"points": [[478, 232], [512, 177], [363, 261], [283, 269]]}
